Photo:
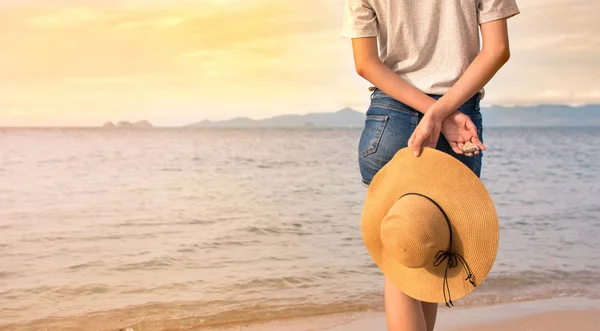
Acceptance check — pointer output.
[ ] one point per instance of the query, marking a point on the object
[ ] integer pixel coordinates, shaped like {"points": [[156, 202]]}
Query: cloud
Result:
{"points": [[67, 17]]}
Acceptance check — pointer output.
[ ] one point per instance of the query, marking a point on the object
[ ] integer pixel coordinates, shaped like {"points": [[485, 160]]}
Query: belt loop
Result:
{"points": [[373, 93]]}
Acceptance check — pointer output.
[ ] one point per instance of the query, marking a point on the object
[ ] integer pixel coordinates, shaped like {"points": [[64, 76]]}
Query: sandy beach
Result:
{"points": [[569, 320], [547, 315]]}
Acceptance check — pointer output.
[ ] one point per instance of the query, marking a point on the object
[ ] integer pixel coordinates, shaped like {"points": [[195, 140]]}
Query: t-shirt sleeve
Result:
{"points": [[490, 10], [359, 20]]}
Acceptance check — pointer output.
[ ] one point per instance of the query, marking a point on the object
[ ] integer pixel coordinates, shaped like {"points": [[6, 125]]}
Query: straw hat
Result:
{"points": [[411, 204]]}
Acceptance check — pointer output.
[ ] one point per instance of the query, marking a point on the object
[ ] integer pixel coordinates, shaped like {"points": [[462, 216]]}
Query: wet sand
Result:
{"points": [[556, 321], [547, 315]]}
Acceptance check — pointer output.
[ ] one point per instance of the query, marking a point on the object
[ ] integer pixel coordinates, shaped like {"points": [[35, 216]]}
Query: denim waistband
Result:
{"points": [[472, 102]]}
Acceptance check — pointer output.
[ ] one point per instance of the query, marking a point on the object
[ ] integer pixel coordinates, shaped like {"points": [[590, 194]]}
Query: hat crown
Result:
{"points": [[414, 231]]}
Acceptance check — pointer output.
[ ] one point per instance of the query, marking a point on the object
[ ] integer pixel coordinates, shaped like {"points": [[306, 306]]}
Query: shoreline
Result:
{"points": [[566, 313], [561, 313]]}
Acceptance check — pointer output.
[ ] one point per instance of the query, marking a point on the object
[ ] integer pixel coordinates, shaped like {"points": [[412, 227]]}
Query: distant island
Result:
{"points": [[128, 125], [495, 116], [344, 118]]}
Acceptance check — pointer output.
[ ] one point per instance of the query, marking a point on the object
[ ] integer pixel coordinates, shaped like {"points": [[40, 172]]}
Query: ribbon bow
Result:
{"points": [[452, 259]]}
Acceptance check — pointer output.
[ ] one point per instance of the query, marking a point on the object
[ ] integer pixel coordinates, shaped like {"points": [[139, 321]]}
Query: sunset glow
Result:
{"points": [[175, 62]]}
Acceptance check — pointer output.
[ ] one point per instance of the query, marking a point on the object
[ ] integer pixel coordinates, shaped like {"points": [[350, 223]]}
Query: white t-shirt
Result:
{"points": [[429, 43]]}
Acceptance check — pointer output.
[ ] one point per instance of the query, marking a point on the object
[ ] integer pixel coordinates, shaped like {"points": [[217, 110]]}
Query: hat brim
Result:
{"points": [[465, 200]]}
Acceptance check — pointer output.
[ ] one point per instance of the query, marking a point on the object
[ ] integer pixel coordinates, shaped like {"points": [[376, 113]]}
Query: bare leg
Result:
{"points": [[430, 312], [402, 312]]}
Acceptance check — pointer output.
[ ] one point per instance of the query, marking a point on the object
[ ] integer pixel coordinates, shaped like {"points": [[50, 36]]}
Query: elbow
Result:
{"points": [[499, 54], [504, 54], [362, 68]]}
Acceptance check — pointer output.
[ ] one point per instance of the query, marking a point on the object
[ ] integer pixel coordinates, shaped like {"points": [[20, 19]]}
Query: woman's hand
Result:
{"points": [[459, 129], [427, 132]]}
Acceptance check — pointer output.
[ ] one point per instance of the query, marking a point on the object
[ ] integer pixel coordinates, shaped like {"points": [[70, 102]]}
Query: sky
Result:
{"points": [[174, 62]]}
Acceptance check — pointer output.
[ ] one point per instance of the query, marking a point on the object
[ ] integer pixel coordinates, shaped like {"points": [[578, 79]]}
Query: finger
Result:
{"points": [[455, 148], [416, 146], [475, 137], [475, 140], [417, 142]]}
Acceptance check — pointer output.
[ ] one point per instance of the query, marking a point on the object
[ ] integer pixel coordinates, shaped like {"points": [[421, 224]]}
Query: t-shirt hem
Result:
{"points": [[481, 92], [501, 14]]}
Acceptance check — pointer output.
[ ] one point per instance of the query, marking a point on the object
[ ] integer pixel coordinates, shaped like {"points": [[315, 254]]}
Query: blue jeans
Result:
{"points": [[390, 123]]}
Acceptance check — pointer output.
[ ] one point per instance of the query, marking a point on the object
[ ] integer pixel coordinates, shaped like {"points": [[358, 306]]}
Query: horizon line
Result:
{"points": [[258, 119], [191, 127]]}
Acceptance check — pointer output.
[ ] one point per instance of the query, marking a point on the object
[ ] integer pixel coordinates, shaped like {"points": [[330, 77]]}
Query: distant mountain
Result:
{"points": [[128, 125], [495, 116], [541, 116], [345, 118]]}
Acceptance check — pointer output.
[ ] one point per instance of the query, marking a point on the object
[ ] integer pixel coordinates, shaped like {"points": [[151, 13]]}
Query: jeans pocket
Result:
{"points": [[371, 134]]}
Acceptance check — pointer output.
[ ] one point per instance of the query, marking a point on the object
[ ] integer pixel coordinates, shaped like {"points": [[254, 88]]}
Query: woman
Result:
{"points": [[428, 77]]}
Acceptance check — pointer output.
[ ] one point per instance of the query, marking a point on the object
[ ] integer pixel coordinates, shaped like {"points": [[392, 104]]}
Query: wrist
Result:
{"points": [[439, 111], [437, 114]]}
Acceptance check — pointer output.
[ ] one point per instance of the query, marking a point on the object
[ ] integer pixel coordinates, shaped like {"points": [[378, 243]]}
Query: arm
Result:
{"points": [[369, 66], [493, 55]]}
